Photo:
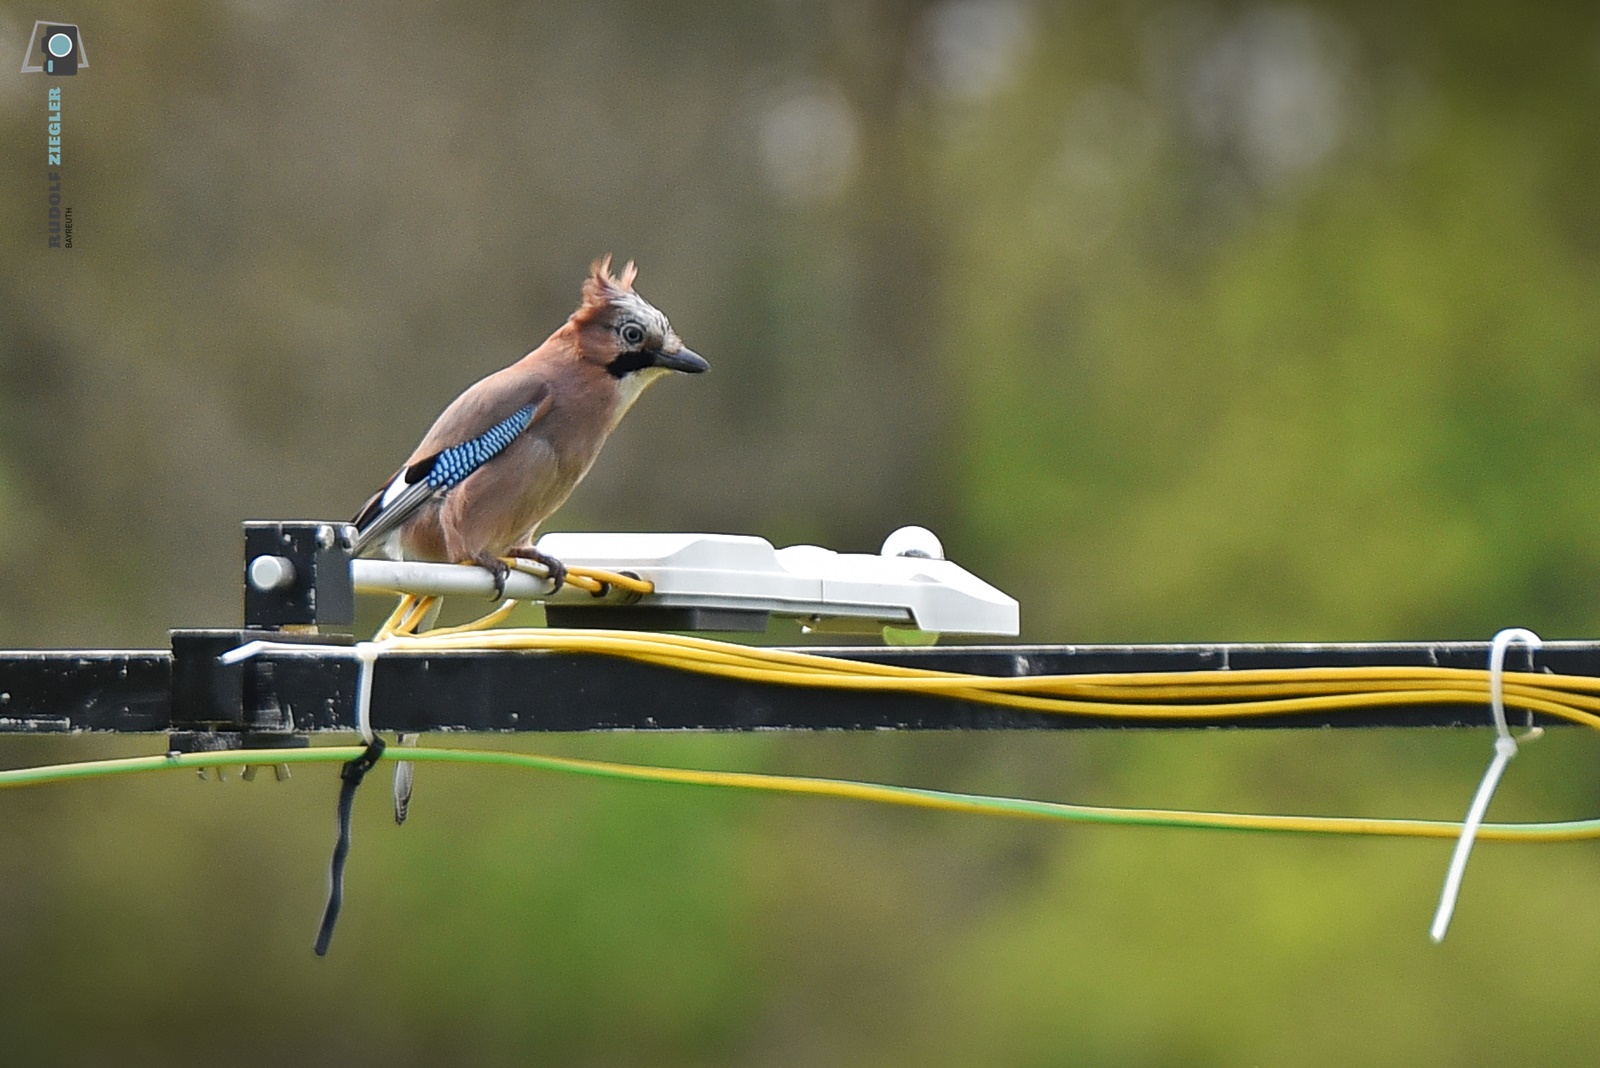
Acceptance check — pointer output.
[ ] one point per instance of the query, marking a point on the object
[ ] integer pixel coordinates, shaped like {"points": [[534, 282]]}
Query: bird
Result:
{"points": [[509, 450]]}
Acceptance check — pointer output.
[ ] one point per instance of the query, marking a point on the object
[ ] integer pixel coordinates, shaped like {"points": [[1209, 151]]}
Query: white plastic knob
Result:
{"points": [[268, 573], [913, 541]]}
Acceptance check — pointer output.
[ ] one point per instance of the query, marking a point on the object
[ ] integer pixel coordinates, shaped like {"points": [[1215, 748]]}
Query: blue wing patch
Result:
{"points": [[433, 475], [451, 466]]}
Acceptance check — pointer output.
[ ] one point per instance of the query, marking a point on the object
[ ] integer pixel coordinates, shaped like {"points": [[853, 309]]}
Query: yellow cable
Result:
{"points": [[418, 613], [631, 583], [395, 623], [592, 580], [493, 619], [1130, 696], [1133, 696]]}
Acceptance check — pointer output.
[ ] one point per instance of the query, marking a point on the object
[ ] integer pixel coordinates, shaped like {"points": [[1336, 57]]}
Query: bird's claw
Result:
{"points": [[497, 568], [553, 567]]}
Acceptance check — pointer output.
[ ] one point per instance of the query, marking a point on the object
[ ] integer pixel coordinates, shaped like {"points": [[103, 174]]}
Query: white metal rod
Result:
{"points": [[441, 580]]}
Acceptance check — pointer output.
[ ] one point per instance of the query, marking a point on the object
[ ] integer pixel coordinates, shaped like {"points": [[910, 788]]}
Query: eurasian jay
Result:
{"points": [[509, 451]]}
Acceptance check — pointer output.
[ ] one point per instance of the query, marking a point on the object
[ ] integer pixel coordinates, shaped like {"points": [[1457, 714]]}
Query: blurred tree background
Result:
{"points": [[1177, 320]]}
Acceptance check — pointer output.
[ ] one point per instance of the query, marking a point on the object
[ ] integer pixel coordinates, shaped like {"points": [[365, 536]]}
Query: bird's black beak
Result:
{"points": [[685, 360]]}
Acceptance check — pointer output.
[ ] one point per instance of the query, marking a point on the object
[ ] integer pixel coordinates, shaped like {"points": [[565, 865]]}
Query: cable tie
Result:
{"points": [[244, 652], [350, 775], [1505, 747], [367, 655], [354, 771], [256, 648]]}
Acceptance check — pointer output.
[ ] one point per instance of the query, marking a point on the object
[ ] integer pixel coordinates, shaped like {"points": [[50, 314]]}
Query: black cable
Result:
{"points": [[350, 775]]}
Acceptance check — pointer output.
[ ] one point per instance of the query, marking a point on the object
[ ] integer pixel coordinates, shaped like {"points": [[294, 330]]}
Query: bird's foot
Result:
{"points": [[496, 567], [556, 569]]}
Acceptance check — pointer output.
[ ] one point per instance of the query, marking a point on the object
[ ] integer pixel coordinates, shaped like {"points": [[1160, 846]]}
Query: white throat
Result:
{"points": [[629, 388]]}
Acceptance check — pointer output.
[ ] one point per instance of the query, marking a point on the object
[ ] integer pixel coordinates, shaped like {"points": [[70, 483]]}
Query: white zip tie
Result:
{"points": [[1505, 747], [366, 653]]}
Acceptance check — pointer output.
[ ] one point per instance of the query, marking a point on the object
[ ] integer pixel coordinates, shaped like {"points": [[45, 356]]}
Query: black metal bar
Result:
{"points": [[573, 692], [278, 696], [100, 690]]}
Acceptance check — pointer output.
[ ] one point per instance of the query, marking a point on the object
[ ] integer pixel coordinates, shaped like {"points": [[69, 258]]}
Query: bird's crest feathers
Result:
{"points": [[602, 288]]}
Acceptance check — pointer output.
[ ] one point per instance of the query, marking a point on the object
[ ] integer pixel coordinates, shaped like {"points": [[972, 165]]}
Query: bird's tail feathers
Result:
{"points": [[390, 512]]}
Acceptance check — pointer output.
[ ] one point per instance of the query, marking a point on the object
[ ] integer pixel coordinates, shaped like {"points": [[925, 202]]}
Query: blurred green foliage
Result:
{"points": [[1180, 321]]}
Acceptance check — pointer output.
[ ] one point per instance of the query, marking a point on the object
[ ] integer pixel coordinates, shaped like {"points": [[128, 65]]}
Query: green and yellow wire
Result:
{"points": [[880, 793], [1131, 696]]}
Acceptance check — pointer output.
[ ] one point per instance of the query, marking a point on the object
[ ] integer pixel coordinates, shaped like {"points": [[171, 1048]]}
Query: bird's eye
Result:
{"points": [[632, 334]]}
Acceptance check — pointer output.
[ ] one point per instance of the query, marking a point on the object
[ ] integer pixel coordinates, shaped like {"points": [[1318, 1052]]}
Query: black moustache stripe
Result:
{"points": [[628, 362]]}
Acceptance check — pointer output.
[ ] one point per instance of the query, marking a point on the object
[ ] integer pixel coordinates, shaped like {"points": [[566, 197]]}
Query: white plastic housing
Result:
{"points": [[744, 572]]}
